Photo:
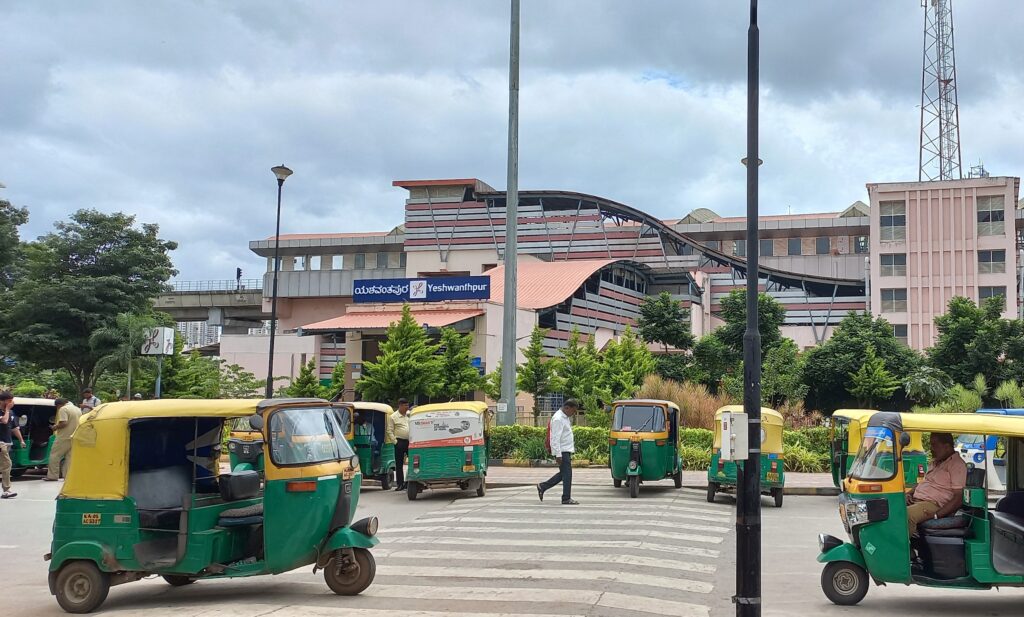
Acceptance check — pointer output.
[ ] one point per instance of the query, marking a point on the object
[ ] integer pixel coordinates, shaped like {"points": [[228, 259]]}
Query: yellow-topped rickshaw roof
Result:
{"points": [[854, 414], [381, 407], [477, 407], [768, 415], [646, 401], [193, 408], [957, 423]]}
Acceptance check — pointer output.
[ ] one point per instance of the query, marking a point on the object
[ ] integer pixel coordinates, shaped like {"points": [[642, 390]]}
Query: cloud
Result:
{"points": [[175, 111]]}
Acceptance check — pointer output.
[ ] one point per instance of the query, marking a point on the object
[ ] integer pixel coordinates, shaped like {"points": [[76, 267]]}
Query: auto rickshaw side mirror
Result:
{"points": [[904, 439], [256, 422]]}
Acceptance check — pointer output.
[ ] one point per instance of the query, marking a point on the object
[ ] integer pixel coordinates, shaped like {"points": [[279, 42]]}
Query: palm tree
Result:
{"points": [[125, 337]]}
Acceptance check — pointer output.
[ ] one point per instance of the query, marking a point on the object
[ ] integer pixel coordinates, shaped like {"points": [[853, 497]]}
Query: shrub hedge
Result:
{"points": [[806, 450]]}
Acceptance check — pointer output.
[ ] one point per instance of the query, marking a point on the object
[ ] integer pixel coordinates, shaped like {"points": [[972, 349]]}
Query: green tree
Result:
{"points": [[579, 373], [1010, 395], [29, 388], [771, 315], [971, 341], [712, 361], [827, 367], [408, 365], [535, 375], [664, 320], [198, 377], [124, 338], [926, 385], [10, 246], [492, 383], [782, 374], [337, 386], [236, 382], [307, 384], [77, 280], [871, 382], [458, 375], [625, 364]]}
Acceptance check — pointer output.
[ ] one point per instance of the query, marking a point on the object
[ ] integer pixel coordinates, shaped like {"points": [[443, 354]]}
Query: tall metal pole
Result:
{"points": [[748, 497], [273, 300], [508, 340]]}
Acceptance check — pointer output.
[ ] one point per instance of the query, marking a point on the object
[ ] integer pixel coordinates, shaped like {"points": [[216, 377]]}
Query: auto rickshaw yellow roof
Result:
{"points": [[477, 407], [768, 415], [380, 407], [959, 423], [854, 414], [191, 408], [646, 401]]}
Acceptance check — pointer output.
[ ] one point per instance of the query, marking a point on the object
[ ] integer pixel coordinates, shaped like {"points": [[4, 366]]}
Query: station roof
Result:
{"points": [[379, 320]]}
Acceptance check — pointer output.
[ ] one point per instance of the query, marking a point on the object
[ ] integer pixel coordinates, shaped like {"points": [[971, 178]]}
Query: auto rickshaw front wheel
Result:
{"points": [[634, 486], [177, 580], [350, 577], [385, 480], [844, 583], [81, 587]]}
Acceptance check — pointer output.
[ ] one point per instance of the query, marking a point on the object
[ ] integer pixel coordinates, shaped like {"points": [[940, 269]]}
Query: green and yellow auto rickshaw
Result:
{"points": [[722, 474], [371, 422], [245, 446], [144, 496], [979, 547], [644, 443], [35, 417], [846, 432], [448, 447]]}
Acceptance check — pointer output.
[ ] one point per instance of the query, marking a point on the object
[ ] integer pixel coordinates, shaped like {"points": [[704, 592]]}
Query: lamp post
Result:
{"points": [[748, 490], [281, 173], [508, 345]]}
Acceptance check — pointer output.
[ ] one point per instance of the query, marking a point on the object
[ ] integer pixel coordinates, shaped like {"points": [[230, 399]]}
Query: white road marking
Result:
{"points": [[618, 523], [547, 533], [667, 563], [672, 513], [644, 604], [620, 544]]}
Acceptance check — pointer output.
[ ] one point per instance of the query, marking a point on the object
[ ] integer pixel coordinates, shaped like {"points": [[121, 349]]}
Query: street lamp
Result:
{"points": [[281, 173]]}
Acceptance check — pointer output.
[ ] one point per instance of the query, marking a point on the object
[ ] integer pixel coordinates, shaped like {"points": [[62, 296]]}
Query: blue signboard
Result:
{"points": [[422, 290]]}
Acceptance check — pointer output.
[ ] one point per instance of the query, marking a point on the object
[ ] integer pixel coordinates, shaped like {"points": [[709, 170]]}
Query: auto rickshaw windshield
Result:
{"points": [[302, 436], [639, 418], [876, 459]]}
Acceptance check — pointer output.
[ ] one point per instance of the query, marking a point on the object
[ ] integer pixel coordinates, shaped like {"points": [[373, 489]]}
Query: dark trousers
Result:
{"points": [[401, 450], [564, 476]]}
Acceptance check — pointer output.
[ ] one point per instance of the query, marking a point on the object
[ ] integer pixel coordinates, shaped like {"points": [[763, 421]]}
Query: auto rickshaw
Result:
{"points": [[977, 548], [144, 496], [644, 443], [376, 456], [35, 417], [245, 446], [448, 447], [987, 452], [845, 437], [722, 474]]}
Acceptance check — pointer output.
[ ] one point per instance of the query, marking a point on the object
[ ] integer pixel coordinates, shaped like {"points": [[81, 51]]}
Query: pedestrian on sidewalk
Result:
{"points": [[89, 401], [60, 452], [8, 428], [563, 445], [400, 423]]}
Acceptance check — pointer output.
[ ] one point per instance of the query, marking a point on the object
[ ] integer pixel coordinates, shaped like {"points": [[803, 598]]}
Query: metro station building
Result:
{"points": [[587, 262]]}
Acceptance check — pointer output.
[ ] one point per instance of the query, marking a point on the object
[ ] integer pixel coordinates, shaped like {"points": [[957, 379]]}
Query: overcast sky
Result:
{"points": [[175, 111]]}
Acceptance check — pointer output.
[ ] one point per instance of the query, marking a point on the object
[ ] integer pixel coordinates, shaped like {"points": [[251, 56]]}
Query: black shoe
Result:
{"points": [[401, 487], [540, 492], [570, 502]]}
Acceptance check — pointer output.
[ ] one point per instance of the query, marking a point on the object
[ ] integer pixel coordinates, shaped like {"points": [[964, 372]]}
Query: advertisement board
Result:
{"points": [[158, 342], [422, 290], [446, 428]]}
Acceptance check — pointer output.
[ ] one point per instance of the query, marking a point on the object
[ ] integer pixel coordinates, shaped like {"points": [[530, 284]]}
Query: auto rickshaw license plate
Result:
{"points": [[771, 477], [469, 468]]}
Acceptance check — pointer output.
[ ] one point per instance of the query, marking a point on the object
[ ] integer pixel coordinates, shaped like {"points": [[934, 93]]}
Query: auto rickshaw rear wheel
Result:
{"points": [[177, 580], [677, 478], [844, 583], [617, 482], [353, 577], [777, 496], [412, 489], [81, 587], [634, 486], [712, 489], [481, 489], [385, 480]]}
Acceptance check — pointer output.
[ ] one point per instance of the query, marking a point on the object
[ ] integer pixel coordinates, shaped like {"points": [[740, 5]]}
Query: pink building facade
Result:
{"points": [[932, 241]]}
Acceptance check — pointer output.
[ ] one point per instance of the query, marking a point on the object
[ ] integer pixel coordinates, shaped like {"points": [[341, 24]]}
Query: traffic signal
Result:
{"points": [[238, 274]]}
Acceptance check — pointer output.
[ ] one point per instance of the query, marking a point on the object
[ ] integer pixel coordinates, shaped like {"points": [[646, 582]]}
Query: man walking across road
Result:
{"points": [[563, 445], [400, 421], [60, 451], [8, 428]]}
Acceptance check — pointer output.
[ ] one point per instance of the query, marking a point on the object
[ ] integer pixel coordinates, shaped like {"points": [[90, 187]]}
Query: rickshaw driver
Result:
{"points": [[940, 492]]}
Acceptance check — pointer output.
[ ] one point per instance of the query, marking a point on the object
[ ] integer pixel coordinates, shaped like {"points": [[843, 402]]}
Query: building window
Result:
{"points": [[986, 293], [314, 262], [337, 262], [991, 216], [739, 248], [990, 262], [359, 261], [299, 262], [766, 247], [822, 246], [894, 300], [713, 244], [402, 260], [893, 264], [893, 221], [794, 246], [861, 245], [382, 261], [900, 332]]}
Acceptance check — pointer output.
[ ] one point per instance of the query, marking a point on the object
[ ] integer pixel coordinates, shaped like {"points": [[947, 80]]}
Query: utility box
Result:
{"points": [[734, 436]]}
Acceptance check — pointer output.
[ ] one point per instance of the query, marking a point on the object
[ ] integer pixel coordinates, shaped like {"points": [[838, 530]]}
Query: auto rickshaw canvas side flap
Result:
{"points": [[99, 455]]}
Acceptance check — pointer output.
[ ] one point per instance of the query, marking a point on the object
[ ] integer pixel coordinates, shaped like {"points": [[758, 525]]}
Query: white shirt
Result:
{"points": [[89, 403], [562, 439]]}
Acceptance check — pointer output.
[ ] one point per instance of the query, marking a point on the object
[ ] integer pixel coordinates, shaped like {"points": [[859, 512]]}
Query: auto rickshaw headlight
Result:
{"points": [[366, 526], [632, 464], [827, 542], [232, 446], [866, 511]]}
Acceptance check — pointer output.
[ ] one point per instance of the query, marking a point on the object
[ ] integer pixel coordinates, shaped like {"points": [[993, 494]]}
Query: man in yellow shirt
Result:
{"points": [[60, 452], [400, 422]]}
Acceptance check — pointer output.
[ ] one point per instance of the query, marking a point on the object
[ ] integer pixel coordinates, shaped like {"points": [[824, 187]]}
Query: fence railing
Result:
{"points": [[222, 285]]}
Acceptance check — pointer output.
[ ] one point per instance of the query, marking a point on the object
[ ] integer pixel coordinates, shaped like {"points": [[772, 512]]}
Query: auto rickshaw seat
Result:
{"points": [[956, 526], [239, 485], [160, 495]]}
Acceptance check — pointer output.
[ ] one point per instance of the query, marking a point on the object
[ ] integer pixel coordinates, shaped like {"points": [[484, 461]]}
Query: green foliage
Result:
{"points": [[590, 437], [1010, 395], [492, 383], [198, 377], [801, 460], [11, 218], [971, 341], [124, 339], [674, 366], [408, 365], [712, 361], [337, 386], [926, 385], [697, 438], [505, 439], [782, 374], [536, 375], [664, 320], [597, 455], [625, 365], [871, 382], [694, 458], [980, 385], [578, 373], [957, 400], [827, 367], [458, 375], [236, 382], [76, 280], [771, 315], [307, 384], [29, 388]]}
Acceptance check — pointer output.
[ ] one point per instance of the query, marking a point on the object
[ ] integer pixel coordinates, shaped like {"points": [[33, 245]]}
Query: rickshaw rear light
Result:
{"points": [[775, 465], [721, 463], [871, 488], [416, 461], [659, 442], [303, 486], [920, 471], [469, 457], [612, 441]]}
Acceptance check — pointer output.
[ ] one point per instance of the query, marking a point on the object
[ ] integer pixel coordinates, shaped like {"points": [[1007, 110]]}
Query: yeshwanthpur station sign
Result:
{"points": [[422, 290]]}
